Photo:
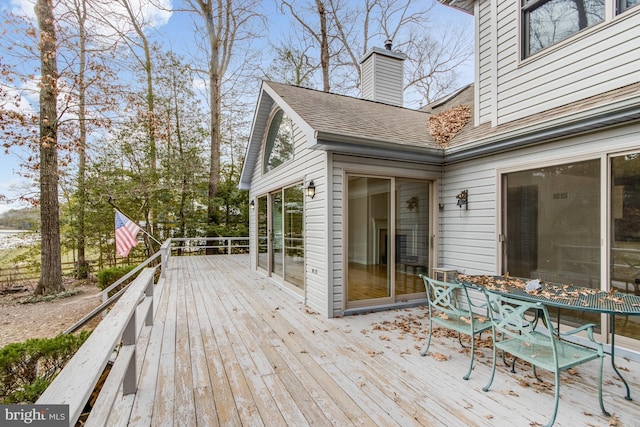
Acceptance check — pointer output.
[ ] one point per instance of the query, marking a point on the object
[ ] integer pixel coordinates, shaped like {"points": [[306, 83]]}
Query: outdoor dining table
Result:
{"points": [[563, 297]]}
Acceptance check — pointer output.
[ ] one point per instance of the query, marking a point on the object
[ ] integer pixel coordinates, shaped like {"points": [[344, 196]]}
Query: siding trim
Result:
{"points": [[494, 63]]}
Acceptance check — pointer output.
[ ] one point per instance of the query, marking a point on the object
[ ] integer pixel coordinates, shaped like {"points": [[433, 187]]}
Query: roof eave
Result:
{"points": [[345, 144], [605, 116], [466, 6]]}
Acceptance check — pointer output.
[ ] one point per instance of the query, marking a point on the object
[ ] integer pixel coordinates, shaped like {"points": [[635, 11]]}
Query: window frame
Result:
{"points": [[525, 10], [622, 8]]}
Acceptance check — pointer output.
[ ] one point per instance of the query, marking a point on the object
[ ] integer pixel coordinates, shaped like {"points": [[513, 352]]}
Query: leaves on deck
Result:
{"points": [[439, 357], [567, 293]]}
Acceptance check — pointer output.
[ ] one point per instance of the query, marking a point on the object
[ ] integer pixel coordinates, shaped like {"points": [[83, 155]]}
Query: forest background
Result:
{"points": [[153, 101]]}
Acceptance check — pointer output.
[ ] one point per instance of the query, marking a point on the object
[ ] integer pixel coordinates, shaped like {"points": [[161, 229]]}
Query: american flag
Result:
{"points": [[126, 232]]}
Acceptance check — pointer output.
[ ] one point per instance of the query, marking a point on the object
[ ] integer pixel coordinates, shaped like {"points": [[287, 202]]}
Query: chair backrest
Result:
{"points": [[443, 296], [508, 318]]}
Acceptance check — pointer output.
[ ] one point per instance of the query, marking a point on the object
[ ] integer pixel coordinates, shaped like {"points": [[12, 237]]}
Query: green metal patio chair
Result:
{"points": [[451, 308], [543, 348]]}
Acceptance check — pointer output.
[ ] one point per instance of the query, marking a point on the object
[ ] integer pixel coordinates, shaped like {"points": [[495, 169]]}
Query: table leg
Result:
{"points": [[612, 328]]}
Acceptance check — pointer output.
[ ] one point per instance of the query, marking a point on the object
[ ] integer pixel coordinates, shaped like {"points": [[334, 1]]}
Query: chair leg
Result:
{"points": [[557, 399], [426, 347], [493, 368], [535, 374], [604, 411], [466, 377]]}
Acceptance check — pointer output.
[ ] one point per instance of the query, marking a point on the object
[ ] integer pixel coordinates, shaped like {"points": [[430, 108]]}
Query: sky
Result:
{"points": [[174, 30]]}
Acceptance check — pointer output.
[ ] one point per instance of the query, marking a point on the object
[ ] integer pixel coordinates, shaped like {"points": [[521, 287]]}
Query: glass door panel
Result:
{"points": [[552, 227], [412, 235], [276, 234], [294, 235], [624, 267], [263, 233], [370, 247]]}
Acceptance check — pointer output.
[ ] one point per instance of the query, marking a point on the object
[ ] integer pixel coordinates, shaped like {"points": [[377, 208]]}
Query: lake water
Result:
{"points": [[11, 239]]}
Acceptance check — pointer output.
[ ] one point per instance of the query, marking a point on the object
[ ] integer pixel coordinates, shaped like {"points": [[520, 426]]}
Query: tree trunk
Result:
{"points": [[82, 271], [324, 46], [214, 167], [51, 262]]}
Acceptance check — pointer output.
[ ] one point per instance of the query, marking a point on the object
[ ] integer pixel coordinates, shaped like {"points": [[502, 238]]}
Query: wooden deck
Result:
{"points": [[227, 347]]}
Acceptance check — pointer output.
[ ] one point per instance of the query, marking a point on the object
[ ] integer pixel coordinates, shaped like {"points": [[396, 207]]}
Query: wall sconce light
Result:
{"points": [[252, 205], [311, 189], [412, 203], [463, 199]]}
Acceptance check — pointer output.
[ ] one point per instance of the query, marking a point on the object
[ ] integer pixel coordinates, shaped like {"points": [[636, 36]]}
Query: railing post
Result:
{"points": [[129, 383], [229, 246], [164, 257], [148, 292]]}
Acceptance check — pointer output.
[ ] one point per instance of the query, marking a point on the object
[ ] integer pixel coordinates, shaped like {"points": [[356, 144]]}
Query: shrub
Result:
{"points": [[110, 275], [27, 368]]}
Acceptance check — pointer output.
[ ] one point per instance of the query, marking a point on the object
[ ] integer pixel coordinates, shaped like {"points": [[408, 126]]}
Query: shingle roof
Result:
{"points": [[332, 114], [472, 133]]}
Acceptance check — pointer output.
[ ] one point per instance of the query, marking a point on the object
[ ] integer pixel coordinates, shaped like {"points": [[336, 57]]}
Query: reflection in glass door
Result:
{"points": [[412, 235], [625, 235], [551, 223], [276, 236], [294, 235], [369, 247], [263, 233]]}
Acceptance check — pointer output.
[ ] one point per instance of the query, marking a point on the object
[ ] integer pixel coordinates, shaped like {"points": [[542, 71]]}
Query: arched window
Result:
{"points": [[279, 143]]}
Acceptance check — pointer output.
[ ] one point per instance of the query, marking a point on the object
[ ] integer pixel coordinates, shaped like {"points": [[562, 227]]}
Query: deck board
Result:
{"points": [[230, 348]]}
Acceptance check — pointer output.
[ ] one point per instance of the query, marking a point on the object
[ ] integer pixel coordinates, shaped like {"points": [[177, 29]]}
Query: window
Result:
{"points": [[626, 4], [547, 22], [279, 143]]}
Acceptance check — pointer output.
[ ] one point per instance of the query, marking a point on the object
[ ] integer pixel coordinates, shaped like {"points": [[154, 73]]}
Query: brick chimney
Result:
{"points": [[383, 75]]}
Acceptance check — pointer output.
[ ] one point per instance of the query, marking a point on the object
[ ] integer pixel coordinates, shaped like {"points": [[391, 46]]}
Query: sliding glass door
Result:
{"points": [[369, 246], [276, 237], [280, 221], [624, 255], [387, 239], [293, 223], [551, 226], [552, 229]]}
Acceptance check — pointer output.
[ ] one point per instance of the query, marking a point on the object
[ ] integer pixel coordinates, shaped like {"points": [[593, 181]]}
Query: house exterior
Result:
{"points": [[533, 170]]}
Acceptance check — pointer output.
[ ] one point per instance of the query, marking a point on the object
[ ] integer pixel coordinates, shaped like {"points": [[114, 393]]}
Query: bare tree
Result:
{"points": [[128, 21], [349, 29], [319, 33], [291, 65], [51, 259], [79, 10], [226, 22], [434, 61]]}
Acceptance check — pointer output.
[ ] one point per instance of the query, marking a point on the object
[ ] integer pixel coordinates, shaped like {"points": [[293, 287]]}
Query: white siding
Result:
{"points": [[484, 63], [594, 61], [468, 240], [306, 165]]}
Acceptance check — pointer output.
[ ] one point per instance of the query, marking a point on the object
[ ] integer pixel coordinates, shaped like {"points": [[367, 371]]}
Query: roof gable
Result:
{"points": [[343, 124]]}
